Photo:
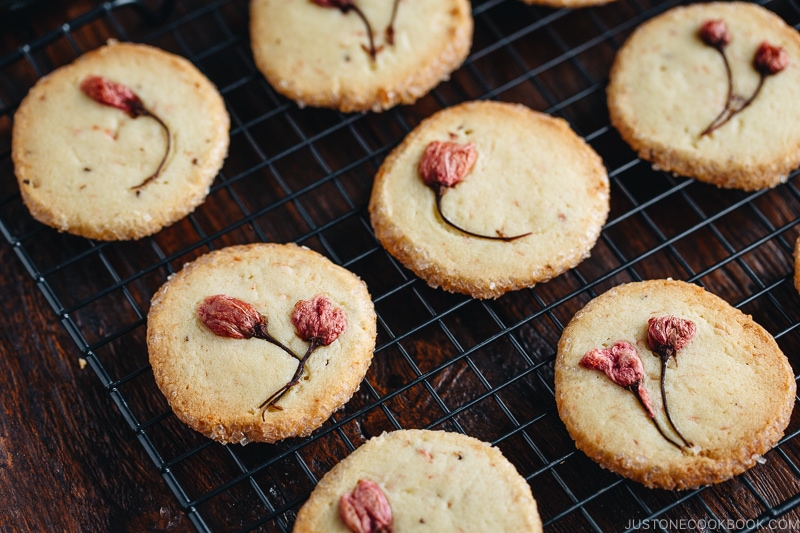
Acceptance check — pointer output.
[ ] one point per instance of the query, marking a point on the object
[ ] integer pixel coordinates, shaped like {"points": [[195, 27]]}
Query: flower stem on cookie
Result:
{"points": [[665, 336], [768, 60], [444, 165], [319, 323], [389, 33], [113, 94], [345, 6], [366, 510], [622, 364]]}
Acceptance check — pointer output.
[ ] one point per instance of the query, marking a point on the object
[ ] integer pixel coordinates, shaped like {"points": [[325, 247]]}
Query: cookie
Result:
{"points": [[729, 389], [530, 177], [120, 143], [424, 480], [223, 336], [668, 94], [321, 55]]}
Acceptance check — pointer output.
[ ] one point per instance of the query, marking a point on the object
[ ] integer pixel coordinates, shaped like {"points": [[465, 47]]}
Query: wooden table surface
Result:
{"points": [[69, 459]]}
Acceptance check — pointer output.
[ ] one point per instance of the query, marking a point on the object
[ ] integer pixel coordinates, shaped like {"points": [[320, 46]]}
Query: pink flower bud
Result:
{"points": [[366, 510], [622, 364], [715, 33], [445, 164], [228, 317], [318, 320], [113, 94], [668, 334], [770, 59]]}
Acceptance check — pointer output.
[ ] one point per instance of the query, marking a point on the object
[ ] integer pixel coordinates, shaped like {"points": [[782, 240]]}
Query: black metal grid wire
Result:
{"points": [[443, 361]]}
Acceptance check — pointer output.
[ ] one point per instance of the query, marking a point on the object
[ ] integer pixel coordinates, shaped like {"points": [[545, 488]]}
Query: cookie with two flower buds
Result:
{"points": [[487, 197], [667, 384], [120, 143], [260, 342], [712, 91], [421, 480], [359, 55]]}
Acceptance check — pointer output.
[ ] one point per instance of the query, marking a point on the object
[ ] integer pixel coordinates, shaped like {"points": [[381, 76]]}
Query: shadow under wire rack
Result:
{"points": [[442, 361]]}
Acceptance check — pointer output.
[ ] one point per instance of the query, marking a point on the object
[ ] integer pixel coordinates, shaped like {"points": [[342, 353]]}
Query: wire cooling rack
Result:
{"points": [[442, 361]]}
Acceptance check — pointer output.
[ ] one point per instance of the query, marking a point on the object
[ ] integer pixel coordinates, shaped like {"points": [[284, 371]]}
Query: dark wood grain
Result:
{"points": [[68, 461]]}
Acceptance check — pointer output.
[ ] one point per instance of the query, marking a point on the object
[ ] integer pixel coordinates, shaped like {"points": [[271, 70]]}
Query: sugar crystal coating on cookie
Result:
{"points": [[110, 148], [728, 390], [530, 206], [358, 55], [421, 480], [260, 342], [712, 91]]}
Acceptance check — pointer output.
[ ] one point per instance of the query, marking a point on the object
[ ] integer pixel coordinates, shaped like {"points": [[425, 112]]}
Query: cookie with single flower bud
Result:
{"points": [[359, 55], [487, 197], [420, 481], [120, 143], [260, 342], [710, 91], [728, 390]]}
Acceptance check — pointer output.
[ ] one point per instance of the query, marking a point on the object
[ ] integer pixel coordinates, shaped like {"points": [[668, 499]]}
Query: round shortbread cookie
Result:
{"points": [[320, 56], [432, 481], [730, 390], [667, 86], [216, 384], [79, 162], [532, 174]]}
